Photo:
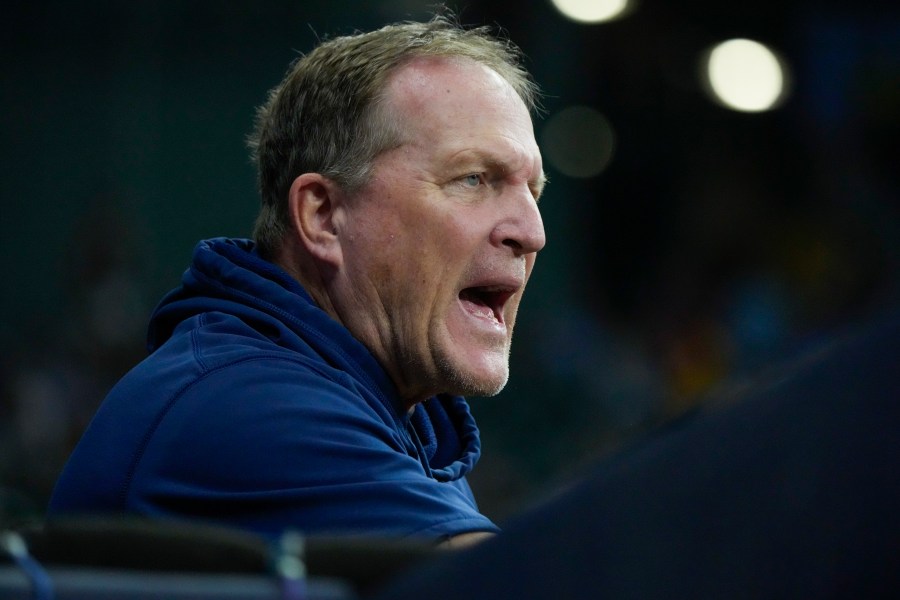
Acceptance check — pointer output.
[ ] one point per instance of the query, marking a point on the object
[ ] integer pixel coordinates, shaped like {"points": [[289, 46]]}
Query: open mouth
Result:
{"points": [[486, 301]]}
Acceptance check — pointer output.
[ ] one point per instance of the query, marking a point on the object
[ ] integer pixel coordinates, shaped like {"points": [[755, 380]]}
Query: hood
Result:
{"points": [[228, 275]]}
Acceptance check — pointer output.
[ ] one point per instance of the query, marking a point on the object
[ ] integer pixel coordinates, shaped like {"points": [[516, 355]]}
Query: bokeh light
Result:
{"points": [[578, 141], [593, 11], [744, 75]]}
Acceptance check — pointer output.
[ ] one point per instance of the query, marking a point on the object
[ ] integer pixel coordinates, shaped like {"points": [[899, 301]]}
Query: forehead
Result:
{"points": [[417, 76], [440, 100]]}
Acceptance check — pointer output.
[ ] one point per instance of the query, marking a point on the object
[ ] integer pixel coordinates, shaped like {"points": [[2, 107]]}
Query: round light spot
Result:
{"points": [[744, 75], [592, 11], [578, 141]]}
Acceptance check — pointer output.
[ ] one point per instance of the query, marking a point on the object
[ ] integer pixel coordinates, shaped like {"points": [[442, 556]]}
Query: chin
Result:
{"points": [[490, 390], [483, 380]]}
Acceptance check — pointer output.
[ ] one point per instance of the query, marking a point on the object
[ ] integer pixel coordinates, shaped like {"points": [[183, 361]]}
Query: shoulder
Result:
{"points": [[273, 439], [280, 386]]}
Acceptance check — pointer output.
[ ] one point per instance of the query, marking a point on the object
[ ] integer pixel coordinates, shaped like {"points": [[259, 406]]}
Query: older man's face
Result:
{"points": [[437, 248]]}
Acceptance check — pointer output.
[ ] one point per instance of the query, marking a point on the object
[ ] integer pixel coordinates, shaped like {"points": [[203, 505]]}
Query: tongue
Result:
{"points": [[476, 305]]}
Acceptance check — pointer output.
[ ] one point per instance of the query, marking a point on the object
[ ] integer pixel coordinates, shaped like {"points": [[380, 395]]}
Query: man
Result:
{"points": [[312, 379]]}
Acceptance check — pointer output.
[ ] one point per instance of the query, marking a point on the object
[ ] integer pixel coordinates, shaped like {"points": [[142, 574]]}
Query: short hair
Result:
{"points": [[325, 116]]}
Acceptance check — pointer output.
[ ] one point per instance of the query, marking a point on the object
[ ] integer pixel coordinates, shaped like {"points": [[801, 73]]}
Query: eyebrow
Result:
{"points": [[490, 162], [539, 185]]}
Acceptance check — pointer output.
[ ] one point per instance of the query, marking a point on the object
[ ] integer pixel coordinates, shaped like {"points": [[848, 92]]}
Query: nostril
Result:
{"points": [[518, 237]]}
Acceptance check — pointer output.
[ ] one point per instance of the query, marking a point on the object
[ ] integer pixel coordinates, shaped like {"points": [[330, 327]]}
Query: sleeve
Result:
{"points": [[272, 444]]}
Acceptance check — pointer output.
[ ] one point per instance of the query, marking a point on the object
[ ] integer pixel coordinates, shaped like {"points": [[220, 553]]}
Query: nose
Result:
{"points": [[522, 228]]}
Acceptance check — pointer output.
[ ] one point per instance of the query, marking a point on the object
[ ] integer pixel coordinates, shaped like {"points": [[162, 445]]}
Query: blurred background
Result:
{"points": [[714, 207]]}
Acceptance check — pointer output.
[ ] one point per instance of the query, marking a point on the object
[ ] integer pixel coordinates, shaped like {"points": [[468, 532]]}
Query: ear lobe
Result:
{"points": [[312, 201]]}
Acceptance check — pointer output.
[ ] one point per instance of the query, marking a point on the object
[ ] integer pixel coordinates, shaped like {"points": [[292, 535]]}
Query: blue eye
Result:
{"points": [[472, 180]]}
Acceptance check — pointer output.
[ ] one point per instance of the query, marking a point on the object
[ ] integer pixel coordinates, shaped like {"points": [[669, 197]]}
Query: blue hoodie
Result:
{"points": [[257, 410]]}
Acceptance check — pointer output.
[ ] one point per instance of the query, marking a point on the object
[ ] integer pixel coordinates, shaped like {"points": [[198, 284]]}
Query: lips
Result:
{"points": [[487, 301]]}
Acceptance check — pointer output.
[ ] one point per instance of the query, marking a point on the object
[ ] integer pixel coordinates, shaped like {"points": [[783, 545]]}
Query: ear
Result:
{"points": [[312, 201]]}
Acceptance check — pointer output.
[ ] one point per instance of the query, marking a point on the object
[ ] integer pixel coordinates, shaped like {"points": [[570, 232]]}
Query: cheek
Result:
{"points": [[412, 271], [417, 256]]}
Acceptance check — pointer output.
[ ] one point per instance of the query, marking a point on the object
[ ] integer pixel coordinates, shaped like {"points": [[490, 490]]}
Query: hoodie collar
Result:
{"points": [[230, 275]]}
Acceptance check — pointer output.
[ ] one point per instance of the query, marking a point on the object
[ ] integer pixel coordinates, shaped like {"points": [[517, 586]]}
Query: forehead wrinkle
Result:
{"points": [[454, 136], [504, 152]]}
